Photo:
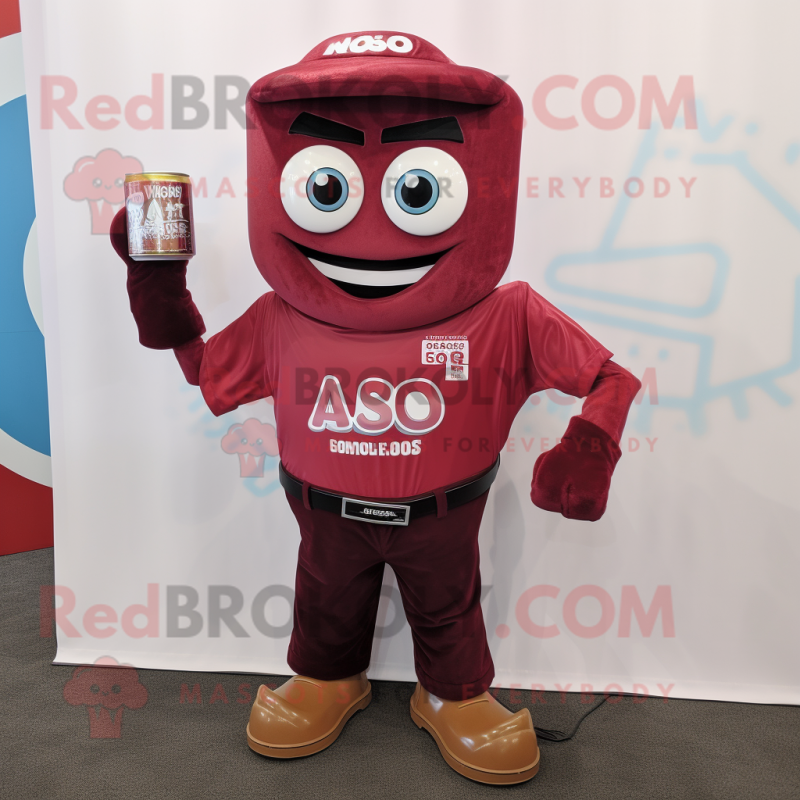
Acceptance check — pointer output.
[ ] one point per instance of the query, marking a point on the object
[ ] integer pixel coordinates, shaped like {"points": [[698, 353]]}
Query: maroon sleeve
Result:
{"points": [[235, 367], [190, 358], [561, 354], [611, 396]]}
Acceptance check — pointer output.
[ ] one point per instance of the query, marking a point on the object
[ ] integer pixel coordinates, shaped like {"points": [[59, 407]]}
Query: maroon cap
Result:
{"points": [[371, 63]]}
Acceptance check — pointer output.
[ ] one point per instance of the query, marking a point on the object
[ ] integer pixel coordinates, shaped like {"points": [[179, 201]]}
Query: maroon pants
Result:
{"points": [[339, 576]]}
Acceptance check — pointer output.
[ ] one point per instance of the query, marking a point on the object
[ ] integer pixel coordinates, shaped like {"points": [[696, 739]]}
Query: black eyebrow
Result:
{"points": [[311, 125], [444, 129]]}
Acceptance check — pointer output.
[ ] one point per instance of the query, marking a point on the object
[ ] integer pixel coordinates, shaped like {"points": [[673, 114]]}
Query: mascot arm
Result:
{"points": [[190, 357], [574, 477], [229, 369], [162, 306]]}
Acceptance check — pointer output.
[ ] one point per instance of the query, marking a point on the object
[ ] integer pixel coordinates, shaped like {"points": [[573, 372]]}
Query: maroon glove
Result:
{"points": [[161, 304], [574, 477]]}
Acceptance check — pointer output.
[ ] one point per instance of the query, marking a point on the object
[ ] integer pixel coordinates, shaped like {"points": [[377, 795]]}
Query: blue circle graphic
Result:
{"points": [[23, 398]]}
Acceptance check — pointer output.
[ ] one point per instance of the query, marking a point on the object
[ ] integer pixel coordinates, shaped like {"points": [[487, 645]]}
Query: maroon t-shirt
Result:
{"points": [[398, 414]]}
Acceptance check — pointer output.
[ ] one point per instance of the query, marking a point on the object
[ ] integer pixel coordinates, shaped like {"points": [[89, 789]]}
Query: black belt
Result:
{"points": [[387, 513]]}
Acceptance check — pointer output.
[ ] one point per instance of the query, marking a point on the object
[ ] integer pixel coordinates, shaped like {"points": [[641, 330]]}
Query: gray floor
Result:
{"points": [[681, 749]]}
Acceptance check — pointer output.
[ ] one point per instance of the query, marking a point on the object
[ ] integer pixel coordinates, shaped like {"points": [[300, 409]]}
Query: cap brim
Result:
{"points": [[370, 76]]}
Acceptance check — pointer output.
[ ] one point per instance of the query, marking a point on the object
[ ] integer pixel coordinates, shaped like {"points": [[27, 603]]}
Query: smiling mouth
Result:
{"points": [[368, 278]]}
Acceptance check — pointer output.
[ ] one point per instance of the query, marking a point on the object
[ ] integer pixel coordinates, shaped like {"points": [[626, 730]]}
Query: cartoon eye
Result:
{"points": [[327, 189], [259, 442], [417, 191], [116, 688], [244, 441], [321, 188], [424, 191], [119, 182], [94, 688], [97, 182]]}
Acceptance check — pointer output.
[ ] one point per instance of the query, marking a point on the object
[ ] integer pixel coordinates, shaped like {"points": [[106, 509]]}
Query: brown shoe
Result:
{"points": [[479, 738], [304, 715]]}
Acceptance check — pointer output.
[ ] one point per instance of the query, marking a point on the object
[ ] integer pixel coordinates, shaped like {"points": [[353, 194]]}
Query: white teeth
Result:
{"points": [[114, 206], [371, 277]]}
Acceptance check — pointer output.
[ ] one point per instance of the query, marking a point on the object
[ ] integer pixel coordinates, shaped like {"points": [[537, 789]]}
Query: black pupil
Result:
{"points": [[330, 193], [419, 195]]}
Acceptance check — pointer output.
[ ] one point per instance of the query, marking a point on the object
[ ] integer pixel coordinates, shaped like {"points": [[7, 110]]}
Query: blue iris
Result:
{"points": [[330, 194], [420, 197]]}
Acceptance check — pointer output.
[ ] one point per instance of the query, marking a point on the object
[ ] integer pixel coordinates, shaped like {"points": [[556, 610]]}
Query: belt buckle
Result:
{"points": [[379, 513]]}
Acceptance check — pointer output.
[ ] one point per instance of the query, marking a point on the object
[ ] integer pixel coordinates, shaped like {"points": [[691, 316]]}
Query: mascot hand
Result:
{"points": [[574, 477], [161, 304]]}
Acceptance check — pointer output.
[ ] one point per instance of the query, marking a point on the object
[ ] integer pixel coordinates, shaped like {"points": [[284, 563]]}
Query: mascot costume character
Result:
{"points": [[382, 200]]}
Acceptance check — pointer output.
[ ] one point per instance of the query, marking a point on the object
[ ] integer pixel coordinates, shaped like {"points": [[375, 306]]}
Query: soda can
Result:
{"points": [[158, 207]]}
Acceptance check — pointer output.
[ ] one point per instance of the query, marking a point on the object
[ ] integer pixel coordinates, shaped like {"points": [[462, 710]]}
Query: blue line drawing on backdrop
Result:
{"points": [[259, 471], [704, 392]]}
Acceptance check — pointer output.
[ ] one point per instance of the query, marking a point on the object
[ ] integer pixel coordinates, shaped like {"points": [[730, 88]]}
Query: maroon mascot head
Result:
{"points": [[382, 181]]}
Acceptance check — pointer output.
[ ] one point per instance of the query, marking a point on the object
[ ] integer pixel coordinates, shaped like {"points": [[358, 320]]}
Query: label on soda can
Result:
{"points": [[158, 207]]}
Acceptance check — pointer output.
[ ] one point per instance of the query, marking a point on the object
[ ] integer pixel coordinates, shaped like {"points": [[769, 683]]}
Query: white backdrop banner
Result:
{"points": [[659, 205]]}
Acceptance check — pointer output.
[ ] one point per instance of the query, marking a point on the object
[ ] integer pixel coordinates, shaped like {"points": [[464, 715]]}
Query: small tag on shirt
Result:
{"points": [[451, 352]]}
